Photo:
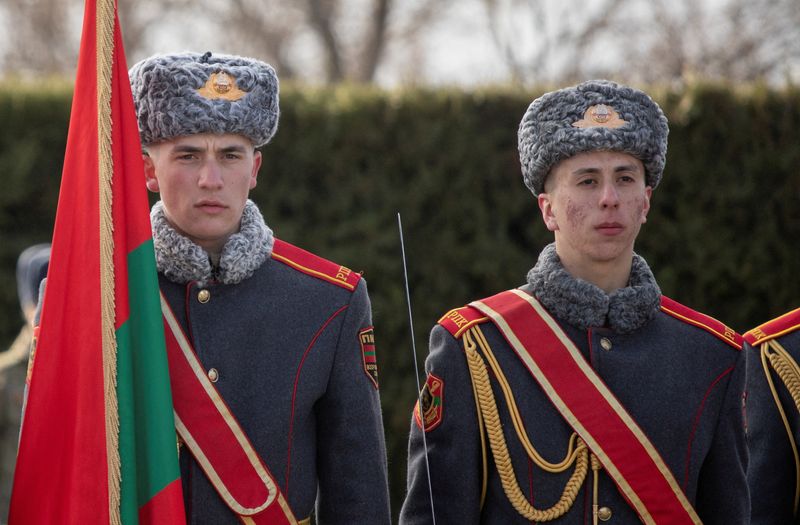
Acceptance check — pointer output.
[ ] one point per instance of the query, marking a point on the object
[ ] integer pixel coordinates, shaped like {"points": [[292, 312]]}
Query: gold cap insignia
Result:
{"points": [[600, 116], [221, 85]]}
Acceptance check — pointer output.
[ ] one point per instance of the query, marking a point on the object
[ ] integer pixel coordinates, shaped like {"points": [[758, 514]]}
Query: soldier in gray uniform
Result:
{"points": [[772, 419], [584, 396], [284, 336]]}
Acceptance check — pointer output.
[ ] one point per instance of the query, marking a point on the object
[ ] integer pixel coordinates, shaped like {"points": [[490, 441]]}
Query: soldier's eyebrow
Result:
{"points": [[618, 168], [187, 148], [233, 149], [583, 171], [626, 167]]}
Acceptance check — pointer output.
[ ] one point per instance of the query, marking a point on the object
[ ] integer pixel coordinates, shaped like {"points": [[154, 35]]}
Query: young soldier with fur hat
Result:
{"points": [[585, 395], [772, 415], [279, 411]]}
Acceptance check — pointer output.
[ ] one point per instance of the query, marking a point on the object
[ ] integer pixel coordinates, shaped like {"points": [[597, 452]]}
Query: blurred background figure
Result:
{"points": [[31, 269]]}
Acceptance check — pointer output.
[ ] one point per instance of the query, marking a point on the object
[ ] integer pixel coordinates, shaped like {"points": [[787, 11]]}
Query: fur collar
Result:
{"points": [[181, 260], [584, 305]]}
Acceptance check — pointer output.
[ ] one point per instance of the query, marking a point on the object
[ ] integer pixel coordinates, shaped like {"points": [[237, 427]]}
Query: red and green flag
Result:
{"points": [[98, 440]]}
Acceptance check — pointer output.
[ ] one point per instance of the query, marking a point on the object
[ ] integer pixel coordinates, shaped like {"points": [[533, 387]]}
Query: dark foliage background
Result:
{"points": [[722, 235]]}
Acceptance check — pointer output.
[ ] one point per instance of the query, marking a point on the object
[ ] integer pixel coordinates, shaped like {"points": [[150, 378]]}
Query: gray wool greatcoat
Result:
{"points": [[284, 347], [773, 471], [681, 383]]}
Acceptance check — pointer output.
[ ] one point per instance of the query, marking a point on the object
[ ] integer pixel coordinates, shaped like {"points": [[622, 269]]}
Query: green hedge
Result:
{"points": [[722, 235]]}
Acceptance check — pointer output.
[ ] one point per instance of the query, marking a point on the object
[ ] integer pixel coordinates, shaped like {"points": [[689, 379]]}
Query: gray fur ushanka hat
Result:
{"points": [[595, 115], [189, 93]]}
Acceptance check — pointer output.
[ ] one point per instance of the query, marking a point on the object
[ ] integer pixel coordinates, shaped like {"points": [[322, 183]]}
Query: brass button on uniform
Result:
{"points": [[203, 296], [605, 342], [604, 513], [213, 375]]}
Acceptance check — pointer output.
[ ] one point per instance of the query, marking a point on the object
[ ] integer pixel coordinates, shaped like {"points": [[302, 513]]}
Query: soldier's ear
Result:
{"points": [[150, 173], [648, 193], [545, 201], [256, 166]]}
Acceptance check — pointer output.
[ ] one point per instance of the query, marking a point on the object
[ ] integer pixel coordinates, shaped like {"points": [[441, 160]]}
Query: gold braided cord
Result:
{"points": [[595, 488], [516, 418], [104, 24], [786, 368], [497, 442], [484, 463]]}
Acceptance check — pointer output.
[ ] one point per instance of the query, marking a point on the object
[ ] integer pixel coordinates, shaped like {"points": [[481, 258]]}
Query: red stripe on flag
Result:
{"points": [[131, 226], [164, 507], [61, 468]]}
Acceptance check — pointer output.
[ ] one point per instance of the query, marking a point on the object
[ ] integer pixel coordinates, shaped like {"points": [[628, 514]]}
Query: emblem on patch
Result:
{"points": [[366, 338], [221, 85], [430, 404], [600, 116]]}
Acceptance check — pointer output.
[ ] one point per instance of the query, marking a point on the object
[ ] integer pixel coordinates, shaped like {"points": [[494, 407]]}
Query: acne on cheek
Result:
{"points": [[637, 207], [575, 214]]}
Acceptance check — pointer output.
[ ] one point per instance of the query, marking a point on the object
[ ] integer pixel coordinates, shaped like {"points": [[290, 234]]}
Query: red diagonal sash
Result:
{"points": [[215, 439], [590, 408]]}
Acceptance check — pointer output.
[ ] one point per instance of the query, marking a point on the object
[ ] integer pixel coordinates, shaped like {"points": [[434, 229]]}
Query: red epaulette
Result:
{"points": [[771, 329], [457, 320], [709, 324], [314, 265]]}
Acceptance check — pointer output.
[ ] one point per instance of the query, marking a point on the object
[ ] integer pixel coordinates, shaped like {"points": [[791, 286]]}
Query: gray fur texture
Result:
{"points": [[168, 105], [584, 305], [547, 135], [182, 261]]}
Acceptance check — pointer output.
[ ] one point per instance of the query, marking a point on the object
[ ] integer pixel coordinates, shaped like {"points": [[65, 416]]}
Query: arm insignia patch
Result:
{"points": [[430, 406]]}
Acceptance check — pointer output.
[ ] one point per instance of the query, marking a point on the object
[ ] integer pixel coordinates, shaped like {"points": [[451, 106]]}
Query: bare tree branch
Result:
{"points": [[543, 41], [41, 32], [375, 41], [320, 14]]}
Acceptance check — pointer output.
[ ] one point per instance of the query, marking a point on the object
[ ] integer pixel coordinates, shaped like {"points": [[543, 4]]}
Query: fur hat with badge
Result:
{"points": [[189, 93], [595, 115]]}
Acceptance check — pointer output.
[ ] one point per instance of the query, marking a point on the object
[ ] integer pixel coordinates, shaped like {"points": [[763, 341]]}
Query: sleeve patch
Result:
{"points": [[366, 338], [430, 405]]}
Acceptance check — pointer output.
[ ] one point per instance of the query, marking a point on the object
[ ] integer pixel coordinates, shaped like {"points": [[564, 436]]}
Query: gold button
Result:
{"points": [[203, 296], [604, 513], [213, 375], [605, 342]]}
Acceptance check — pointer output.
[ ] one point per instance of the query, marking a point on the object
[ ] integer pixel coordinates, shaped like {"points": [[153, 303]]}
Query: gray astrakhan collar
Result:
{"points": [[584, 305], [181, 260]]}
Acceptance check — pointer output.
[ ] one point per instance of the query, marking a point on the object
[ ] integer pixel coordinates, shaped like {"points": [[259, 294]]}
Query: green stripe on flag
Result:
{"points": [[147, 426]]}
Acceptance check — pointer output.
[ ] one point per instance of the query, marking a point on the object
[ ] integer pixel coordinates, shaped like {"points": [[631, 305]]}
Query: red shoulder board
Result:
{"points": [[771, 329], [709, 324], [314, 265], [457, 321]]}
